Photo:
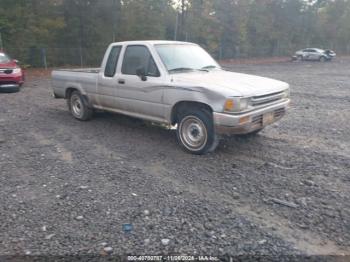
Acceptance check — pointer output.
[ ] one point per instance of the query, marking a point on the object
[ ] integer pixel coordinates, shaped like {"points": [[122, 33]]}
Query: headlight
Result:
{"points": [[16, 71], [236, 104]]}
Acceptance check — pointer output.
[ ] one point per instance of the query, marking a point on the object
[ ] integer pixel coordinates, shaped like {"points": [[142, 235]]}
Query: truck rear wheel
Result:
{"points": [[78, 106], [195, 132]]}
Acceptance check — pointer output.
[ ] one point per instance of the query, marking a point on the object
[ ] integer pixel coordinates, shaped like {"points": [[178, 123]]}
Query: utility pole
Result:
{"points": [[176, 25], [81, 33], [116, 17], [182, 23], [114, 20]]}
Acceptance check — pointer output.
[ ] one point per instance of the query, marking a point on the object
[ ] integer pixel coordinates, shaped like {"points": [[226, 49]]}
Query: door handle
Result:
{"points": [[121, 81]]}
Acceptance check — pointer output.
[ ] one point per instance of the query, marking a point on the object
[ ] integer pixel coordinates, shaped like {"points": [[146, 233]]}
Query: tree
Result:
{"points": [[78, 31]]}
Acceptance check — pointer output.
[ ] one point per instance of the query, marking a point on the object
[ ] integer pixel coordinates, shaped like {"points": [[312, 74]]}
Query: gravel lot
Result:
{"points": [[69, 187]]}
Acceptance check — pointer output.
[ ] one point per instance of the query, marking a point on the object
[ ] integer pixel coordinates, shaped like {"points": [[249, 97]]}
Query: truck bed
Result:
{"points": [[82, 79]]}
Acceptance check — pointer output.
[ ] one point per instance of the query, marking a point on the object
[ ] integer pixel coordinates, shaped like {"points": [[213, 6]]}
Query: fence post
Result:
{"points": [[220, 50], [1, 45], [43, 55], [81, 56]]}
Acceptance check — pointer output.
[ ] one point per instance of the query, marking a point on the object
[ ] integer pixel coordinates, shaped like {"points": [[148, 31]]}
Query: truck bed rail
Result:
{"points": [[81, 70]]}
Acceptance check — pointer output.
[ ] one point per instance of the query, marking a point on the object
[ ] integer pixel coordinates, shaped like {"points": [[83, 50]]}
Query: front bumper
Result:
{"points": [[11, 82], [232, 124], [16, 79]]}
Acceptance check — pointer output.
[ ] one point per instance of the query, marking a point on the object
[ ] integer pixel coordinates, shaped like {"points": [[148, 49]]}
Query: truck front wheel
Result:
{"points": [[195, 132], [78, 107]]}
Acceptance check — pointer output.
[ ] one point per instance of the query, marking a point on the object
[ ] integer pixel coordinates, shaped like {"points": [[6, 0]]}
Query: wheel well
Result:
{"points": [[69, 91], [186, 106]]}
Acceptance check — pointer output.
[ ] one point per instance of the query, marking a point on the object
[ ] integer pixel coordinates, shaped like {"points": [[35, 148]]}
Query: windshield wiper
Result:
{"points": [[179, 69], [209, 67]]}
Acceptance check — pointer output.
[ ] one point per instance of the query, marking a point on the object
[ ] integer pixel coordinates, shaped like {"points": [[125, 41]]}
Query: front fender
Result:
{"points": [[176, 94]]}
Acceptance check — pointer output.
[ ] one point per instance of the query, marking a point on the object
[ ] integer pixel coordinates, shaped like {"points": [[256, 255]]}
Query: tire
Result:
{"points": [[196, 133], [323, 59], [78, 106], [300, 58]]}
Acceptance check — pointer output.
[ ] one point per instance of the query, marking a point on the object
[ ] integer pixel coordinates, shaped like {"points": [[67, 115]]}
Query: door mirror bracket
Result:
{"points": [[141, 72]]}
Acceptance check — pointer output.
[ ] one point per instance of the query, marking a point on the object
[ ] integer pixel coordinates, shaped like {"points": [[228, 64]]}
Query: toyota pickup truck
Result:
{"points": [[174, 83]]}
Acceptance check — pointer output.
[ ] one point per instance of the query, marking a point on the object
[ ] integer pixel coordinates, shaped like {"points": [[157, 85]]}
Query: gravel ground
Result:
{"points": [[73, 188]]}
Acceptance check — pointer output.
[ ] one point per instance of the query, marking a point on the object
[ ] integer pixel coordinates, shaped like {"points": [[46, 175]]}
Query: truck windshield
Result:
{"points": [[185, 57], [4, 58]]}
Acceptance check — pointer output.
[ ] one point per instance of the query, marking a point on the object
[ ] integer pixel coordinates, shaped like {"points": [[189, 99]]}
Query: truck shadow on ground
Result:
{"points": [[165, 137], [125, 130]]}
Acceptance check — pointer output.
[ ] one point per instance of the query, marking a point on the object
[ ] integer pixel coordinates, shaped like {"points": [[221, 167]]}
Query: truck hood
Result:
{"points": [[232, 84]]}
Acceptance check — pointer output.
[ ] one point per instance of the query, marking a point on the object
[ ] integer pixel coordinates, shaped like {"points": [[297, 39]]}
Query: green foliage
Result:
{"points": [[78, 31]]}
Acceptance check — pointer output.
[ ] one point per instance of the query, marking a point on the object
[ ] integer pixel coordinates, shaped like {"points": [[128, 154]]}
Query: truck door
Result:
{"points": [[106, 90], [136, 94]]}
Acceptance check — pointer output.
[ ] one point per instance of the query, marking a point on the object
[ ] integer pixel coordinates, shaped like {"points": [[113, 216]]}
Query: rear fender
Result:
{"points": [[77, 87], [74, 86]]}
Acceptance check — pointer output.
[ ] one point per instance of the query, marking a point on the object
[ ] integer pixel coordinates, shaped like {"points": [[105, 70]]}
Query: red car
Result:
{"points": [[11, 75]]}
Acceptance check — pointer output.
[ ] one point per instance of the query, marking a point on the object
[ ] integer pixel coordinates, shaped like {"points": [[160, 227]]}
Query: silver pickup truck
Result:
{"points": [[174, 83]]}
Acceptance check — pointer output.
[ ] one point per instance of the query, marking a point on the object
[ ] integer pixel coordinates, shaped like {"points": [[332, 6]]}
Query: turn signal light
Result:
{"points": [[229, 105], [244, 119]]}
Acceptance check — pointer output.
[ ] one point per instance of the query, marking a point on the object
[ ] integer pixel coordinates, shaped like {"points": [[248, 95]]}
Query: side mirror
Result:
{"points": [[16, 61], [141, 72]]}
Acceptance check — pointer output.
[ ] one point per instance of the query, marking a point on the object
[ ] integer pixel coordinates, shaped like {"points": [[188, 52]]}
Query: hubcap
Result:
{"points": [[76, 105], [193, 133]]}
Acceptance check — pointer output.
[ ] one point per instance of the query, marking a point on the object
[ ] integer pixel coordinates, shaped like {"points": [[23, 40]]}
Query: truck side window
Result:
{"points": [[112, 61], [139, 57]]}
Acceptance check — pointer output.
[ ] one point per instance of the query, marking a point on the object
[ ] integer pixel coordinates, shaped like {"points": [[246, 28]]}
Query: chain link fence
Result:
{"points": [[35, 57], [57, 57]]}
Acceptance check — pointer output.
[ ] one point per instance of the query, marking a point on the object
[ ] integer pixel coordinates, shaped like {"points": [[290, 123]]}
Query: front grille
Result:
{"points": [[279, 112], [266, 99], [257, 120], [6, 71], [7, 83]]}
